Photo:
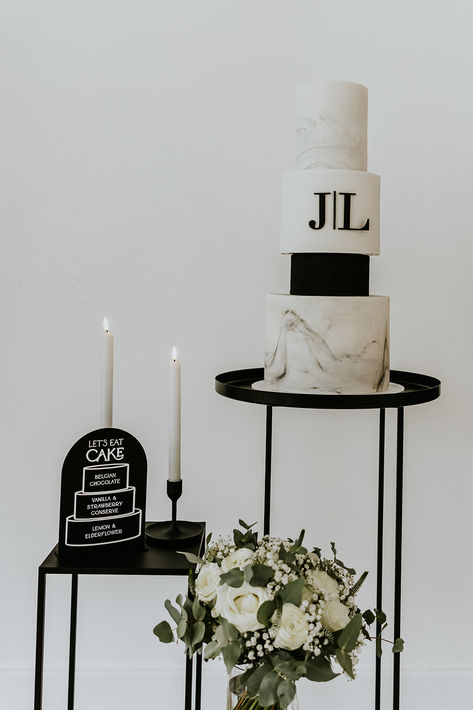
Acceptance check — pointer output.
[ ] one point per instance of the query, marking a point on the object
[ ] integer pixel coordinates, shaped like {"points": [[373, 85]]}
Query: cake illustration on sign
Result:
{"points": [[328, 335]]}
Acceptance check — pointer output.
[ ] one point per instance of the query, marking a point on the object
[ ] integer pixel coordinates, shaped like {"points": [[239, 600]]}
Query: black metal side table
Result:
{"points": [[418, 389], [151, 561]]}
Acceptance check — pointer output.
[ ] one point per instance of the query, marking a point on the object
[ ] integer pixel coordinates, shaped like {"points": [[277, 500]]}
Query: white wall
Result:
{"points": [[142, 148]]}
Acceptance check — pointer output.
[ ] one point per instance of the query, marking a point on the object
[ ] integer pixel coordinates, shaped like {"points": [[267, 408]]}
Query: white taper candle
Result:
{"points": [[174, 418], [106, 414]]}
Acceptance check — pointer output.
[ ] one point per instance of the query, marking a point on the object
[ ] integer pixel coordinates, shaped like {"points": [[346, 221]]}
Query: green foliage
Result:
{"points": [[245, 539], [398, 645], [176, 615], [258, 575], [350, 570], [345, 661], [292, 592], [231, 653], [265, 612], [198, 611], [369, 617], [292, 669], [285, 692], [190, 557], [380, 616], [197, 632], [269, 688], [234, 578], [164, 632], [356, 587], [255, 677], [319, 669], [347, 637], [212, 650]]}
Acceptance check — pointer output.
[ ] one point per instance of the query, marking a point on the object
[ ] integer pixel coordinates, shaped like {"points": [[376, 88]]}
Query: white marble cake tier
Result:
{"points": [[332, 119], [334, 222], [334, 344]]}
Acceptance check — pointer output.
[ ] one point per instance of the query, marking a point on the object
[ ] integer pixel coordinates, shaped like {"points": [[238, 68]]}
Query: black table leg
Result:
{"points": [[398, 554], [379, 574], [72, 643], [188, 696], [38, 677], [198, 682], [267, 470]]}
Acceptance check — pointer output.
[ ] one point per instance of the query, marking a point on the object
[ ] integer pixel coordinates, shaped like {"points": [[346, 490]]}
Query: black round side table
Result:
{"points": [[418, 389]]}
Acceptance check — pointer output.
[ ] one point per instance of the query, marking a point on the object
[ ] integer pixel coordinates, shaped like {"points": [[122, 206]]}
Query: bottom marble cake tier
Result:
{"points": [[334, 344]]}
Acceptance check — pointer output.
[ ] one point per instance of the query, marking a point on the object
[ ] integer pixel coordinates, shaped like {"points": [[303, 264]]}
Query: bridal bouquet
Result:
{"points": [[275, 612]]}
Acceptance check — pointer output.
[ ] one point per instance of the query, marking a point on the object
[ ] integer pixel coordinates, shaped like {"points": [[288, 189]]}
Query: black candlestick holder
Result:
{"points": [[174, 532]]}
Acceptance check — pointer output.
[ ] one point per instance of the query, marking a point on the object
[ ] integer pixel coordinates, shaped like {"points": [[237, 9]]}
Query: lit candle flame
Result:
{"points": [[174, 353], [106, 325]]}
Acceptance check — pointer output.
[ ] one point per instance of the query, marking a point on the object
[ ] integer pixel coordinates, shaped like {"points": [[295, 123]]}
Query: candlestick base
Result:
{"points": [[173, 533]]}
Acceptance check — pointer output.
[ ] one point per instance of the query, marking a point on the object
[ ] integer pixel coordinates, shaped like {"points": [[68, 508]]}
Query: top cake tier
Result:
{"points": [[332, 119]]}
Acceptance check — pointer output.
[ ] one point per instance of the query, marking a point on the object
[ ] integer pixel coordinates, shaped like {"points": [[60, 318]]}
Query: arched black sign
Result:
{"points": [[103, 496]]}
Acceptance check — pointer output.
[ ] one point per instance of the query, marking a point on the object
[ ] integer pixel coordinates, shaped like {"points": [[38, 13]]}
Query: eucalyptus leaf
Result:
{"points": [[319, 669], [212, 650], [292, 669], [164, 632], [198, 610], [286, 692], [379, 646], [292, 592], [231, 654], [221, 636], [182, 628], [238, 538], [175, 613], [368, 616], [190, 557], [231, 632], [345, 661], [197, 632], [380, 616], [398, 645], [278, 657], [237, 684], [268, 689], [248, 573], [265, 612], [348, 637], [255, 678], [262, 574], [234, 578]]}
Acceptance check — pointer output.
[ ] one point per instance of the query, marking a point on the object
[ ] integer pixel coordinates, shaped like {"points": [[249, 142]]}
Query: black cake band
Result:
{"points": [[330, 274]]}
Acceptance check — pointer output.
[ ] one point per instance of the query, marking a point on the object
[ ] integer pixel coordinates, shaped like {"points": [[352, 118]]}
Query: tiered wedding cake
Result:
{"points": [[328, 334]]}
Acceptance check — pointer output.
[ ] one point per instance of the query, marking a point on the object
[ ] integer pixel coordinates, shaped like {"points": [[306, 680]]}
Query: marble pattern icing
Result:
{"points": [[327, 343], [332, 126]]}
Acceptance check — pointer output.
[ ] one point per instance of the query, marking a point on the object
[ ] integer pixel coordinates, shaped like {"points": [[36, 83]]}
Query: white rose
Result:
{"points": [[323, 583], [239, 605], [335, 616], [207, 582], [293, 628], [238, 558]]}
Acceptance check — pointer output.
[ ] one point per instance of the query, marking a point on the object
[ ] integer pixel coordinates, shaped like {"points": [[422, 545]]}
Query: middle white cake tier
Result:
{"points": [[334, 211], [334, 344]]}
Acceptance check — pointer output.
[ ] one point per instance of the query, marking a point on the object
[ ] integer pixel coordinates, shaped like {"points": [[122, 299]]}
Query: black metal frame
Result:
{"points": [[152, 561], [417, 390]]}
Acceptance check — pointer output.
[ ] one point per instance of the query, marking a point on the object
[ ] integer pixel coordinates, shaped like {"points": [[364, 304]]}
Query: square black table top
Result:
{"points": [[151, 560]]}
